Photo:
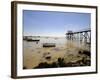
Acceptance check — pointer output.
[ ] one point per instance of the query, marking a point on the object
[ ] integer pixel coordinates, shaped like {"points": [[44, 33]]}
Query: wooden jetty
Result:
{"points": [[81, 35]]}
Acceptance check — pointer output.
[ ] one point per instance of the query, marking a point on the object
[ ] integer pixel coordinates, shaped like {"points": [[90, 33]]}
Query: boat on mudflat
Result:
{"points": [[33, 39], [49, 44]]}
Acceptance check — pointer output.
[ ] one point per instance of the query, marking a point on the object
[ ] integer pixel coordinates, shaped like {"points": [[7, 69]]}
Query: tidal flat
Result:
{"points": [[65, 53]]}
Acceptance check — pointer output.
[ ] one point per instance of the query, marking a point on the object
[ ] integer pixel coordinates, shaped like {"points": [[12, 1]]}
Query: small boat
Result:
{"points": [[49, 45], [88, 43], [33, 39]]}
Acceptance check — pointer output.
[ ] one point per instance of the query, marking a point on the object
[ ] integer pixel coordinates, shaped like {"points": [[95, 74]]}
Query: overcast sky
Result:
{"points": [[50, 23]]}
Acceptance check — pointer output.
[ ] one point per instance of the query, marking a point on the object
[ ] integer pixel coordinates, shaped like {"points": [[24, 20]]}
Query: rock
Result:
{"points": [[24, 67], [86, 52], [48, 57], [46, 65], [61, 62], [86, 61], [80, 52]]}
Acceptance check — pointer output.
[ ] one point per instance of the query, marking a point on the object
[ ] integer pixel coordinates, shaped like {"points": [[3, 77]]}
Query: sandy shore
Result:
{"points": [[69, 52], [35, 57]]}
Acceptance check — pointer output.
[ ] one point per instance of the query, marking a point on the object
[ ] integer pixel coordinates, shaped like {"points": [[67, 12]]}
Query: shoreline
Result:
{"points": [[68, 52]]}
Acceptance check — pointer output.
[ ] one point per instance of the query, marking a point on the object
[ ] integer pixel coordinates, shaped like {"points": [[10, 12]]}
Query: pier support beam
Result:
{"points": [[84, 36]]}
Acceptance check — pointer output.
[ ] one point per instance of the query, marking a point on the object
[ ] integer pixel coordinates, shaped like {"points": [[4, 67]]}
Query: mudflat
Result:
{"points": [[64, 54]]}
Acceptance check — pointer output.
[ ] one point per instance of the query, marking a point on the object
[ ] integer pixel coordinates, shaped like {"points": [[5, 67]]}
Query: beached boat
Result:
{"points": [[33, 39], [88, 43], [49, 45]]}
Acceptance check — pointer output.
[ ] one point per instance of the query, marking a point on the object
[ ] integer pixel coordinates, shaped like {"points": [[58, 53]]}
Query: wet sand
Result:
{"points": [[34, 54]]}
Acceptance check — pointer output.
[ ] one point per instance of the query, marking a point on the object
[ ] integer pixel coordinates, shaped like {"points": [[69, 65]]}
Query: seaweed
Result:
{"points": [[84, 52], [61, 63]]}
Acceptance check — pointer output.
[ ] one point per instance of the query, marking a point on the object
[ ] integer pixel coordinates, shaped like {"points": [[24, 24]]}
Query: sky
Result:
{"points": [[52, 23]]}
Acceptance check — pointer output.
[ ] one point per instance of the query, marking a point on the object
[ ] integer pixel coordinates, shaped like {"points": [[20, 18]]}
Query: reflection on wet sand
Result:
{"points": [[65, 54]]}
